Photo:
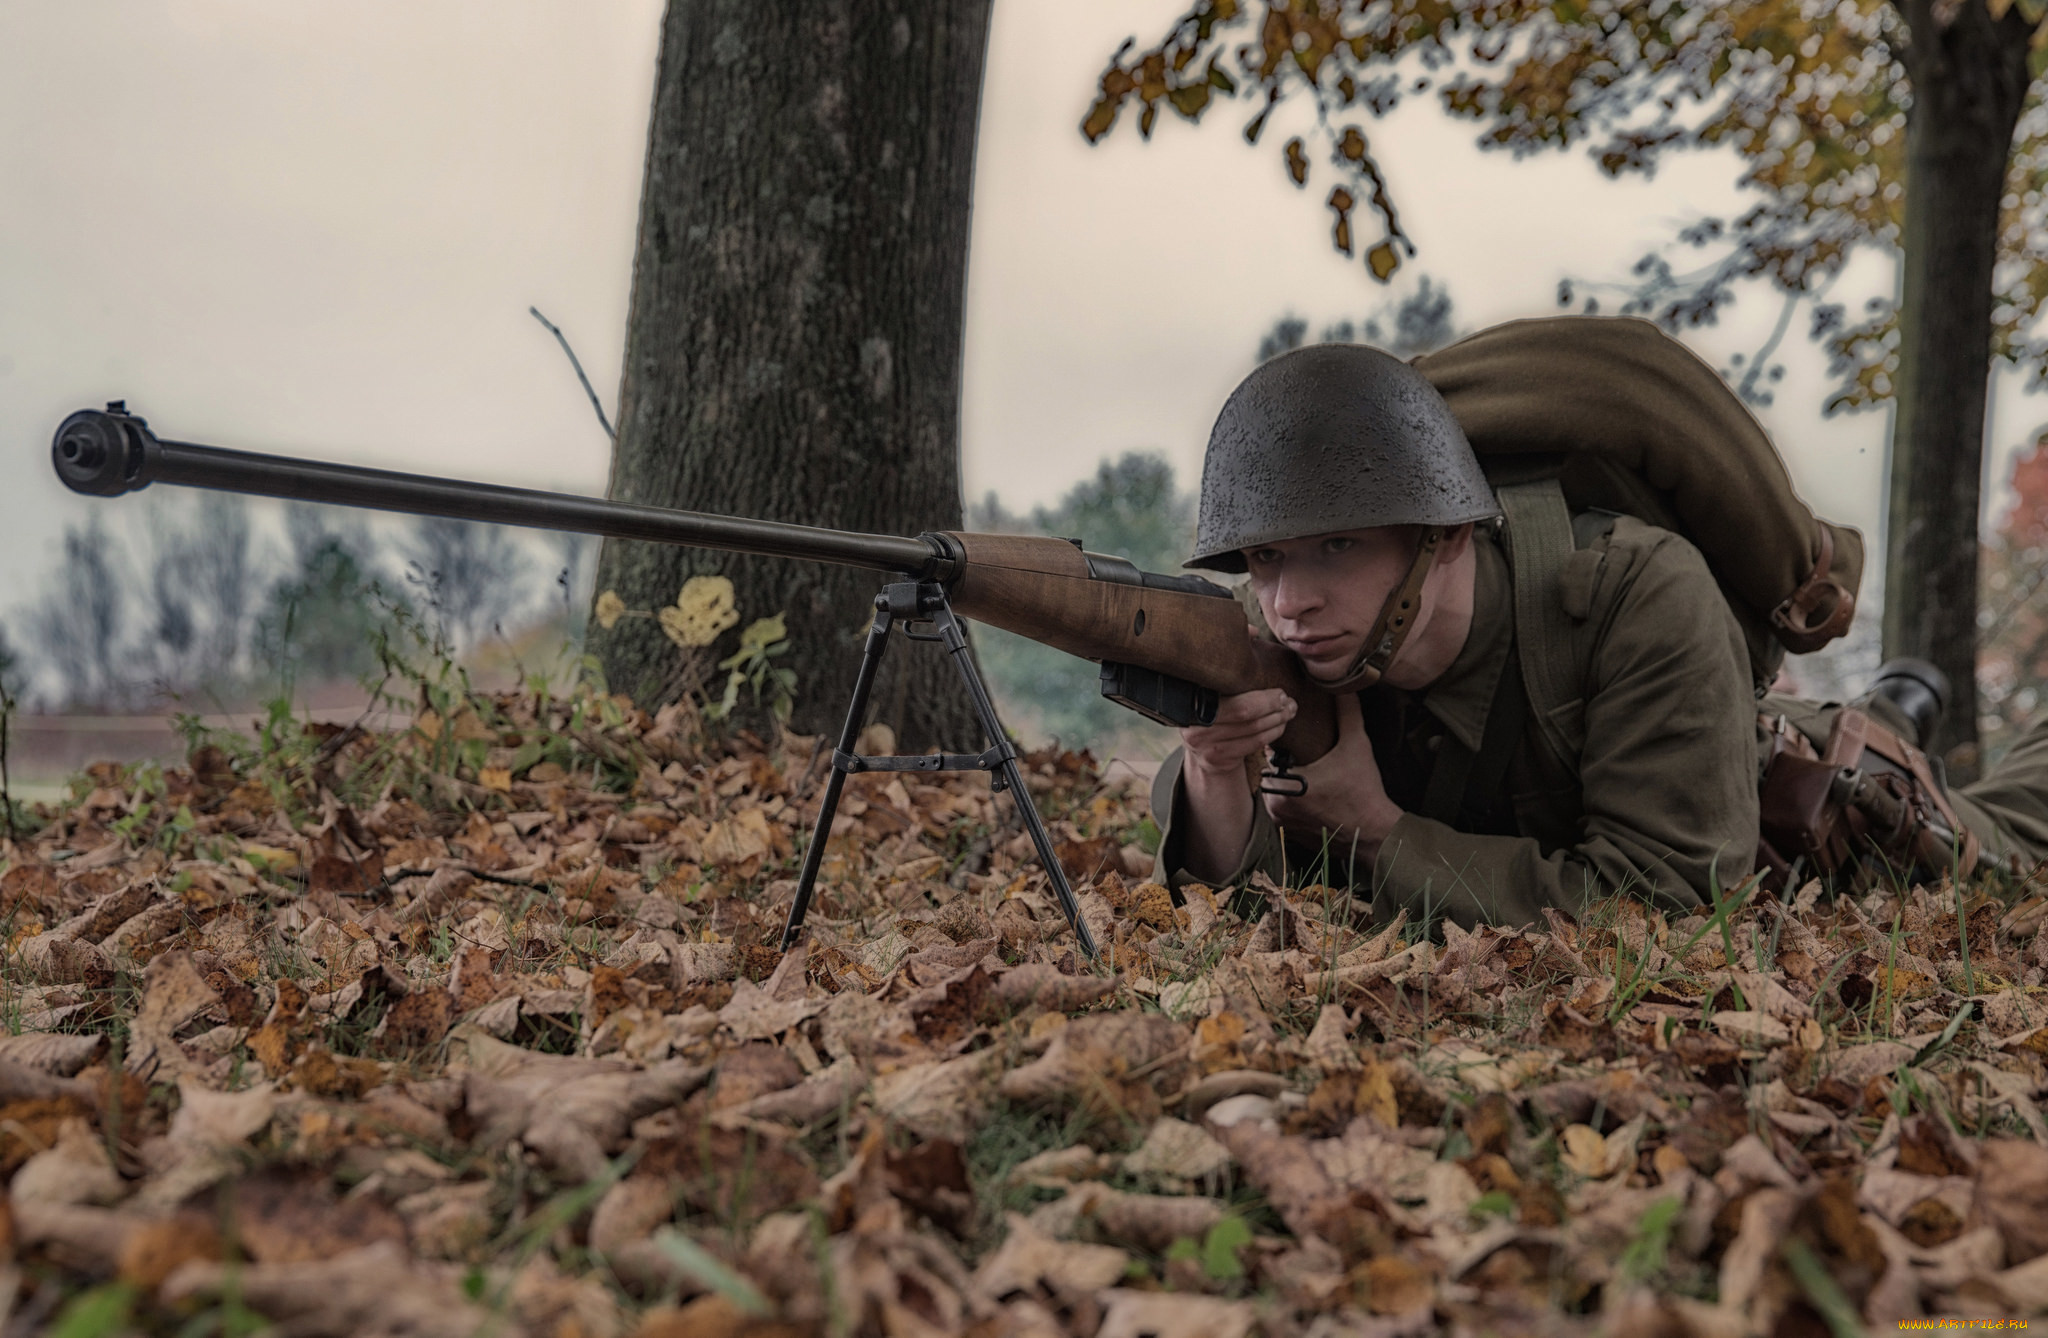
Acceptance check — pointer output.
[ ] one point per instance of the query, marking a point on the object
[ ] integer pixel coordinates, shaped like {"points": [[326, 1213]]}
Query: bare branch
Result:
{"points": [[563, 340]]}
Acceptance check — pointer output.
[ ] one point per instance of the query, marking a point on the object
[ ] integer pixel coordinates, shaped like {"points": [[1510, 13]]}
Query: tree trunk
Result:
{"points": [[793, 342], [1969, 78]]}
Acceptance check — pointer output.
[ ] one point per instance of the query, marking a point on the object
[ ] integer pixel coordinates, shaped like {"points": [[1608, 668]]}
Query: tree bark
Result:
{"points": [[1969, 79], [793, 342]]}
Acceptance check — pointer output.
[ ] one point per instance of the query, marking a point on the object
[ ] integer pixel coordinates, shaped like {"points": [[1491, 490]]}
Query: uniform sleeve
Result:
{"points": [[1667, 774], [1169, 809]]}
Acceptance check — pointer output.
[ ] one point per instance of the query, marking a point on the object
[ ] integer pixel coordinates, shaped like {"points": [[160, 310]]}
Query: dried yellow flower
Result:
{"points": [[701, 611], [610, 608], [763, 633]]}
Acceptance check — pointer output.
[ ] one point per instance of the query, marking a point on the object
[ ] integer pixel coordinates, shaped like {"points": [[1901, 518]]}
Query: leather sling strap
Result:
{"points": [[1397, 618], [1539, 535], [1462, 782]]}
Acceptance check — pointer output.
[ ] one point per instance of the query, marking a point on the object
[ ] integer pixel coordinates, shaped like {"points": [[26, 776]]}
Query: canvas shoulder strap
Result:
{"points": [[1539, 540]]}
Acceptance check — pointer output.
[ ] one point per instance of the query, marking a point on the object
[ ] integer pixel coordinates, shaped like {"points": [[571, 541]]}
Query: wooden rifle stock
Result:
{"points": [[1100, 609]]}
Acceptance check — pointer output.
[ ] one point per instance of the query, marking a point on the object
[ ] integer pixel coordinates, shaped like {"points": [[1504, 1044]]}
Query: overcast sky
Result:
{"points": [[317, 228]]}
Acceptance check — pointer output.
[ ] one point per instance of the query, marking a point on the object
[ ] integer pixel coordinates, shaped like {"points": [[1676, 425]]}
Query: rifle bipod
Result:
{"points": [[915, 603]]}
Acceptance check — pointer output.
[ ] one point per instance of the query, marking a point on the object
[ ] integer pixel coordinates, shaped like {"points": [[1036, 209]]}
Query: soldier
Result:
{"points": [[1338, 479]]}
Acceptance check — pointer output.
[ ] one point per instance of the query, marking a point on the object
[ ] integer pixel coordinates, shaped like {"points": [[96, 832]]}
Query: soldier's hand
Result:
{"points": [[1346, 795], [1245, 726], [1219, 795]]}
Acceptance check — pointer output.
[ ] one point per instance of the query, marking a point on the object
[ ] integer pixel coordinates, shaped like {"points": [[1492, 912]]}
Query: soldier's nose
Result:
{"points": [[1292, 599]]}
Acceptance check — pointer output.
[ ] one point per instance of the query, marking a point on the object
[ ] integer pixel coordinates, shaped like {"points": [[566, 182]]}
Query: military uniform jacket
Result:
{"points": [[1660, 801]]}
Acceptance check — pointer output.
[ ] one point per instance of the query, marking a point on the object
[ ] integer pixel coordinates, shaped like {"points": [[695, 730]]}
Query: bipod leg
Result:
{"points": [[849, 738], [1008, 774]]}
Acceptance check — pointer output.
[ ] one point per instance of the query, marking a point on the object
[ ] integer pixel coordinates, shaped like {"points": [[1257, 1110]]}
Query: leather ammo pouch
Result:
{"points": [[1865, 790]]}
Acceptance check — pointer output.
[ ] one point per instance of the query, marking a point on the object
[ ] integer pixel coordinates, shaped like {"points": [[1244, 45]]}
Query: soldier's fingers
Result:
{"points": [[1255, 732], [1246, 706], [1223, 756]]}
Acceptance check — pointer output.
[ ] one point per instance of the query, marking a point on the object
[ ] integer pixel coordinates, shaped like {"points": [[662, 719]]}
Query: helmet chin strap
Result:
{"points": [[1397, 618]]}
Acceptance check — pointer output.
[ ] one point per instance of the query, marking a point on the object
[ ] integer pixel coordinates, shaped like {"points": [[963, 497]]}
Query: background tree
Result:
{"points": [[319, 618], [793, 339], [203, 577], [1132, 508], [77, 624], [10, 667], [471, 578], [1418, 323], [1914, 125], [2015, 651]]}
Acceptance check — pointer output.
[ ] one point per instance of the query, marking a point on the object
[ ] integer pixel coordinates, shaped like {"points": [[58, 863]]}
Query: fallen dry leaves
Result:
{"points": [[481, 1027]]}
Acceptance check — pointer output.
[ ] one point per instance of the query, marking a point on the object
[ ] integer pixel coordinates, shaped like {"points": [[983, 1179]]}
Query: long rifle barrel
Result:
{"points": [[1168, 645], [109, 453]]}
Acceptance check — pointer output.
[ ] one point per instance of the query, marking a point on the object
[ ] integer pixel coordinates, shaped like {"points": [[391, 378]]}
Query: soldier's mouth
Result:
{"points": [[1313, 647]]}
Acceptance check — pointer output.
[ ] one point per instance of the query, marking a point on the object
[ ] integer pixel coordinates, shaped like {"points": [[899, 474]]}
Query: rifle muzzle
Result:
{"points": [[103, 454]]}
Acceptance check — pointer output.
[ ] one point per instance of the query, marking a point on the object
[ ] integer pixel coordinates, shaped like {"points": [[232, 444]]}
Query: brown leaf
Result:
{"points": [[1571, 1031], [417, 1021], [828, 1092], [1032, 1262], [28, 884], [153, 1251], [60, 959], [207, 1118], [739, 842], [1293, 1180], [32, 1125], [74, 1169], [1085, 861], [759, 1012], [572, 1112], [1107, 1061], [749, 1071], [173, 993], [1014, 924], [1329, 1042], [947, 1099], [630, 1210], [1394, 1286], [1148, 1221], [932, 1178], [1930, 1223], [1297, 161], [448, 1221], [1040, 985], [1713, 1057], [1176, 1152], [284, 1217], [2012, 1196], [946, 1012], [322, 1073], [338, 869], [448, 885], [377, 1289], [59, 1053], [1926, 1147], [712, 1316]]}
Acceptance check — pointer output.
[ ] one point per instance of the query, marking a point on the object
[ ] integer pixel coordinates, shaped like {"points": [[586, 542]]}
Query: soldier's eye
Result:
{"points": [[1265, 556], [1337, 544]]}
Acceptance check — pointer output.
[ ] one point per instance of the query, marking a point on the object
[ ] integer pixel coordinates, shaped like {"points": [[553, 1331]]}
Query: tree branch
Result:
{"points": [[563, 340]]}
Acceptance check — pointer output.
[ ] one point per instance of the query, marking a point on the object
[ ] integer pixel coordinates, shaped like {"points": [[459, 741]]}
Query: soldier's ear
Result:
{"points": [[1456, 540]]}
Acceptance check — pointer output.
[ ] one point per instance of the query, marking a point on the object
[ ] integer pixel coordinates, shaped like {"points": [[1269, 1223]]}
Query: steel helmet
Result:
{"points": [[1332, 437]]}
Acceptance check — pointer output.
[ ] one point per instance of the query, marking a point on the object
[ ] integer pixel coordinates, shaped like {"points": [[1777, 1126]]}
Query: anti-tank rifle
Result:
{"points": [[1169, 646]]}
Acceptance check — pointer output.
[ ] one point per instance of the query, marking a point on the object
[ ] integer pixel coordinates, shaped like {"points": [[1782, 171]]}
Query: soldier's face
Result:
{"points": [[1321, 594]]}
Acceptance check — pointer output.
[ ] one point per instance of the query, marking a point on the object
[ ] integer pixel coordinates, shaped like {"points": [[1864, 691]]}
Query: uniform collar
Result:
{"points": [[1461, 697]]}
